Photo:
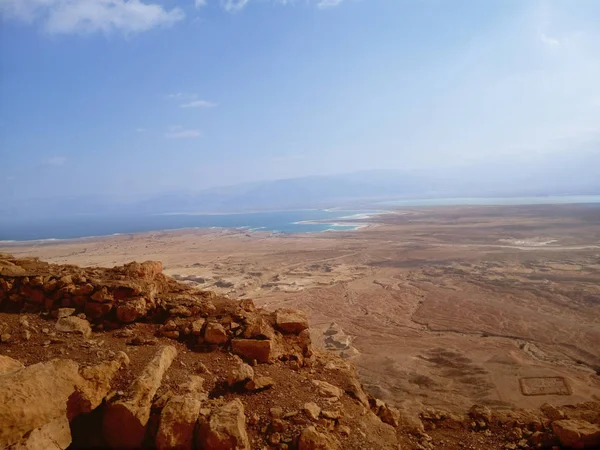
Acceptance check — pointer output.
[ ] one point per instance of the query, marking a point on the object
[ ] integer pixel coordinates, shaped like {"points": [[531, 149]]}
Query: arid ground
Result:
{"points": [[442, 306]]}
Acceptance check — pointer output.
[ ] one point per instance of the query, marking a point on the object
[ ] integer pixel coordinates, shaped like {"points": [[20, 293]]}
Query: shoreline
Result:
{"points": [[207, 230]]}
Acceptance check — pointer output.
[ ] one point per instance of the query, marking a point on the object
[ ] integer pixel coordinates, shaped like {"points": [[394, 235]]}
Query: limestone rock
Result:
{"points": [[35, 396], [311, 439], [240, 373], [328, 390], [552, 412], [390, 415], [8, 365], [575, 433], [258, 328], [177, 422], [132, 310], [215, 333], [61, 313], [291, 320], [55, 435], [481, 413], [226, 429], [312, 410], [125, 420], [197, 326], [95, 385], [261, 350], [259, 383], [74, 324]]}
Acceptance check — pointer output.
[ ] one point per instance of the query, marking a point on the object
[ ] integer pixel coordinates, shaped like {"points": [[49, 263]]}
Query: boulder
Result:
{"points": [[390, 415], [215, 333], [8, 365], [35, 396], [226, 429], [74, 324], [240, 372], [95, 385], [132, 310], [197, 326], [311, 439], [61, 313], [177, 422], [250, 349], [125, 420], [552, 412], [480, 413], [328, 390], [312, 410], [55, 435], [258, 328], [259, 383], [576, 433], [291, 321]]}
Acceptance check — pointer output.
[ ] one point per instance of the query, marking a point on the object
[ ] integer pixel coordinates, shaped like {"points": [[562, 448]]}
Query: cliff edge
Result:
{"points": [[127, 357]]}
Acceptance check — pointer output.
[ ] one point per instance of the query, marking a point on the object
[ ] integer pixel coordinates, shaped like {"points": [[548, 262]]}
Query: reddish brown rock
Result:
{"points": [[250, 349], [578, 434], [226, 429], [125, 420], [215, 333], [132, 310], [291, 320]]}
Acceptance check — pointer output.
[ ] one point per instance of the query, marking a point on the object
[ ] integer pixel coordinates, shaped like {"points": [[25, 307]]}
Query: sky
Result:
{"points": [[136, 97]]}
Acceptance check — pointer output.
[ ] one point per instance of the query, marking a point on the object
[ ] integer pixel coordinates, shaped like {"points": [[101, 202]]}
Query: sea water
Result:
{"points": [[298, 221]]}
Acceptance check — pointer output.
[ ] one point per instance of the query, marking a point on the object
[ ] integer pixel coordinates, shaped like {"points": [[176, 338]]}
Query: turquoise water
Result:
{"points": [[514, 201], [299, 221]]}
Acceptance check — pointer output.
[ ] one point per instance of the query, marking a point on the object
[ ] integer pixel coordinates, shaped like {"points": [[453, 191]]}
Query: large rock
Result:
{"points": [[327, 389], [215, 333], [552, 412], [8, 365], [95, 385], [240, 372], [177, 422], [33, 397], [74, 324], [575, 433], [311, 439], [132, 310], [291, 320], [125, 420], [261, 350], [55, 435], [226, 429]]}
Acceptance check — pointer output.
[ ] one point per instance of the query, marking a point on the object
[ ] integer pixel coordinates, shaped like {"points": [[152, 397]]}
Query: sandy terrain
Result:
{"points": [[445, 306]]}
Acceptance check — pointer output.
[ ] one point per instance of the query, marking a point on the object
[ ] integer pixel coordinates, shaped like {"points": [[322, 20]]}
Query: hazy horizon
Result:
{"points": [[135, 99]]}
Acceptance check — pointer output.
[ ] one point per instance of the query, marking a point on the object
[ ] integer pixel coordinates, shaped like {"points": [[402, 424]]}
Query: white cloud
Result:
{"points": [[198, 104], [323, 4], [55, 161], [200, 3], [140, 130], [233, 5], [548, 40], [179, 132], [89, 16], [182, 96]]}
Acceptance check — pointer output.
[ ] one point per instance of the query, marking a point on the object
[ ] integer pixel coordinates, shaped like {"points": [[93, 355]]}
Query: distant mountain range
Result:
{"points": [[344, 190]]}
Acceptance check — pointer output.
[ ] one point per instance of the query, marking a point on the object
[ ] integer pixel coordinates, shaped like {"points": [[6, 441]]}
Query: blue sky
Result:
{"points": [[119, 97]]}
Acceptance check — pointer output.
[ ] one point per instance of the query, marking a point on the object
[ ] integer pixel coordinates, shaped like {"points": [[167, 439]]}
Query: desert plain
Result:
{"points": [[442, 306]]}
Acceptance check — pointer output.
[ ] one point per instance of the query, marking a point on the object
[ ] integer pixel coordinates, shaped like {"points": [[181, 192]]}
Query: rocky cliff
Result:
{"points": [[129, 358]]}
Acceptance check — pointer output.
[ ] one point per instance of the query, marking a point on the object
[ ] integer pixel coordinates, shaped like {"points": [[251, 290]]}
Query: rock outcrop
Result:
{"points": [[125, 420], [262, 384]]}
